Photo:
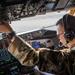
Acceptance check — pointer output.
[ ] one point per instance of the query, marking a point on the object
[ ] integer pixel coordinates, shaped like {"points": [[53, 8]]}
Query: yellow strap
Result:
{"points": [[72, 12]]}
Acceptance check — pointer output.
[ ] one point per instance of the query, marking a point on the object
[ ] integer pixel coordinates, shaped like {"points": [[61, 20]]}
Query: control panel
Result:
{"points": [[37, 34], [42, 43], [9, 65], [42, 37]]}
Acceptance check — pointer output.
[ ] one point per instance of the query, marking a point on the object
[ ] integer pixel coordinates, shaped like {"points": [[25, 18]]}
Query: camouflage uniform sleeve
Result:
{"points": [[22, 51], [54, 61]]}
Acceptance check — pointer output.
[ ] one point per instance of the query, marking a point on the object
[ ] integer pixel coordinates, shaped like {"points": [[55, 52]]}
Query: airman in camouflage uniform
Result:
{"points": [[52, 61]]}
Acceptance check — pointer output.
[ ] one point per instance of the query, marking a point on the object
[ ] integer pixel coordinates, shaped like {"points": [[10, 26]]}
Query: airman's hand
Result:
{"points": [[5, 27]]}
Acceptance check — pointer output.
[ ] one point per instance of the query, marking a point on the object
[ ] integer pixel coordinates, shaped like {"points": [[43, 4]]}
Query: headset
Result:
{"points": [[69, 34]]}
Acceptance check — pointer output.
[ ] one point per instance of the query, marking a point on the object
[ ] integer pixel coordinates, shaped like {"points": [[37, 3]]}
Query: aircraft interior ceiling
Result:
{"points": [[17, 9]]}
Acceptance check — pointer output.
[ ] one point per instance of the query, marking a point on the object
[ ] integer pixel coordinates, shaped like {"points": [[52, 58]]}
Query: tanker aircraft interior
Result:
{"points": [[44, 35]]}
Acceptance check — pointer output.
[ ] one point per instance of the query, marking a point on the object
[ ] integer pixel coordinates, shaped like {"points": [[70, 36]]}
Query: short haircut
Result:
{"points": [[70, 22]]}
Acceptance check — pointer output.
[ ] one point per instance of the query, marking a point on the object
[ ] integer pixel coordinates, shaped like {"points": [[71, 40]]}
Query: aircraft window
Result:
{"points": [[60, 4], [46, 21], [49, 6]]}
